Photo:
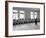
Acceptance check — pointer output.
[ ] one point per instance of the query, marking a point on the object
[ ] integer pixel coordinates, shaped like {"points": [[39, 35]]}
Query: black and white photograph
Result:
{"points": [[24, 18]]}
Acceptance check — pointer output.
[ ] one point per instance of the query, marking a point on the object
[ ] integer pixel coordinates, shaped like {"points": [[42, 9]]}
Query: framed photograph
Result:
{"points": [[24, 18]]}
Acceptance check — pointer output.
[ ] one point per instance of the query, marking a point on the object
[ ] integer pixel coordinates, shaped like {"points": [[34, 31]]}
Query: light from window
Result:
{"points": [[15, 11], [21, 11], [22, 15], [35, 15], [32, 15], [15, 14]]}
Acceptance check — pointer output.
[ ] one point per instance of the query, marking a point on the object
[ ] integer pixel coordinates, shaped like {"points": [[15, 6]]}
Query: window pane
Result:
{"points": [[15, 11], [15, 16], [35, 15], [21, 16], [31, 13], [32, 17], [21, 11]]}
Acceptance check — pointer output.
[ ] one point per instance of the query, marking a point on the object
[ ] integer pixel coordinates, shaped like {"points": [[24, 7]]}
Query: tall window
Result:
{"points": [[21, 15], [35, 15], [32, 15], [15, 14]]}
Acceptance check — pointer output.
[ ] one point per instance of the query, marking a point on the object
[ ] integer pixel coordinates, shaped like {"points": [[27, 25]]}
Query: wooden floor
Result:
{"points": [[29, 26]]}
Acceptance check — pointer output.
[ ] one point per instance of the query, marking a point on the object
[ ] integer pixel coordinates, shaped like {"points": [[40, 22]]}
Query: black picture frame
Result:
{"points": [[6, 18]]}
